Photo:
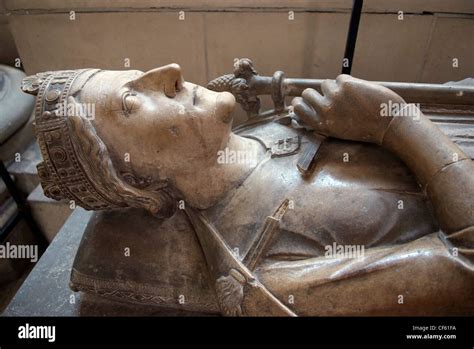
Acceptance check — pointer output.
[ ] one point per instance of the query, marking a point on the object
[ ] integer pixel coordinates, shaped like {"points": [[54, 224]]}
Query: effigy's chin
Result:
{"points": [[225, 105]]}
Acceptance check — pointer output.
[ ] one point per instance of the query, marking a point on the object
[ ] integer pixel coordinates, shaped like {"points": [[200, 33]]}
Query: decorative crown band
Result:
{"points": [[61, 173]]}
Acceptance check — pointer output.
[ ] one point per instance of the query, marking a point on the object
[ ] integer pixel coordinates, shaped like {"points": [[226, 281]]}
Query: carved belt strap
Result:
{"points": [[238, 291], [262, 241]]}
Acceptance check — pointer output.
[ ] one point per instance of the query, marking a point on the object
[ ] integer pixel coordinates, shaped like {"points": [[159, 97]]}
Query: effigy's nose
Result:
{"points": [[168, 79]]}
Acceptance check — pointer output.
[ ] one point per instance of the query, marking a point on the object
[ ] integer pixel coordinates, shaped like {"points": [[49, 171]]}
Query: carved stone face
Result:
{"points": [[159, 122]]}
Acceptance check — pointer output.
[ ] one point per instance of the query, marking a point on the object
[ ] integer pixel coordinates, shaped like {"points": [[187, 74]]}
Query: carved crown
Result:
{"points": [[61, 173]]}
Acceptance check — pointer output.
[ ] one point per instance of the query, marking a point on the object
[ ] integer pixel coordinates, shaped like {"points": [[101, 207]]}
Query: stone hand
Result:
{"points": [[348, 108]]}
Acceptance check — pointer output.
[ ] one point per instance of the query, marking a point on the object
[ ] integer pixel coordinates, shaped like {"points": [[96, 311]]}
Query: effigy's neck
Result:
{"points": [[205, 185]]}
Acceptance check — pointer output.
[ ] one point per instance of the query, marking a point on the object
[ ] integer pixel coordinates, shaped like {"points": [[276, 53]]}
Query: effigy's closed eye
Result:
{"points": [[129, 102]]}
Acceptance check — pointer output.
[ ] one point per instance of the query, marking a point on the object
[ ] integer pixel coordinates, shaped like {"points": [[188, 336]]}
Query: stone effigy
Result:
{"points": [[332, 207]]}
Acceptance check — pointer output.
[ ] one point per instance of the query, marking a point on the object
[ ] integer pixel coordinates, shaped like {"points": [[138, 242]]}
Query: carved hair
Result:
{"points": [[96, 160]]}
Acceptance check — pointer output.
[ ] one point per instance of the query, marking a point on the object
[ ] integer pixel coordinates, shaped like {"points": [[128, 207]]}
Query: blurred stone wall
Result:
{"points": [[8, 51], [433, 43]]}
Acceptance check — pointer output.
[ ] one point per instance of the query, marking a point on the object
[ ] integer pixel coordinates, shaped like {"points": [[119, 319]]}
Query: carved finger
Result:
{"points": [[304, 112], [329, 88], [341, 79], [313, 97]]}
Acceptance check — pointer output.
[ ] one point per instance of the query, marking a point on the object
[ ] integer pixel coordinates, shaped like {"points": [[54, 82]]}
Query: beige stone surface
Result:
{"points": [[389, 49], [95, 40], [458, 6], [206, 42], [301, 47], [453, 37]]}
